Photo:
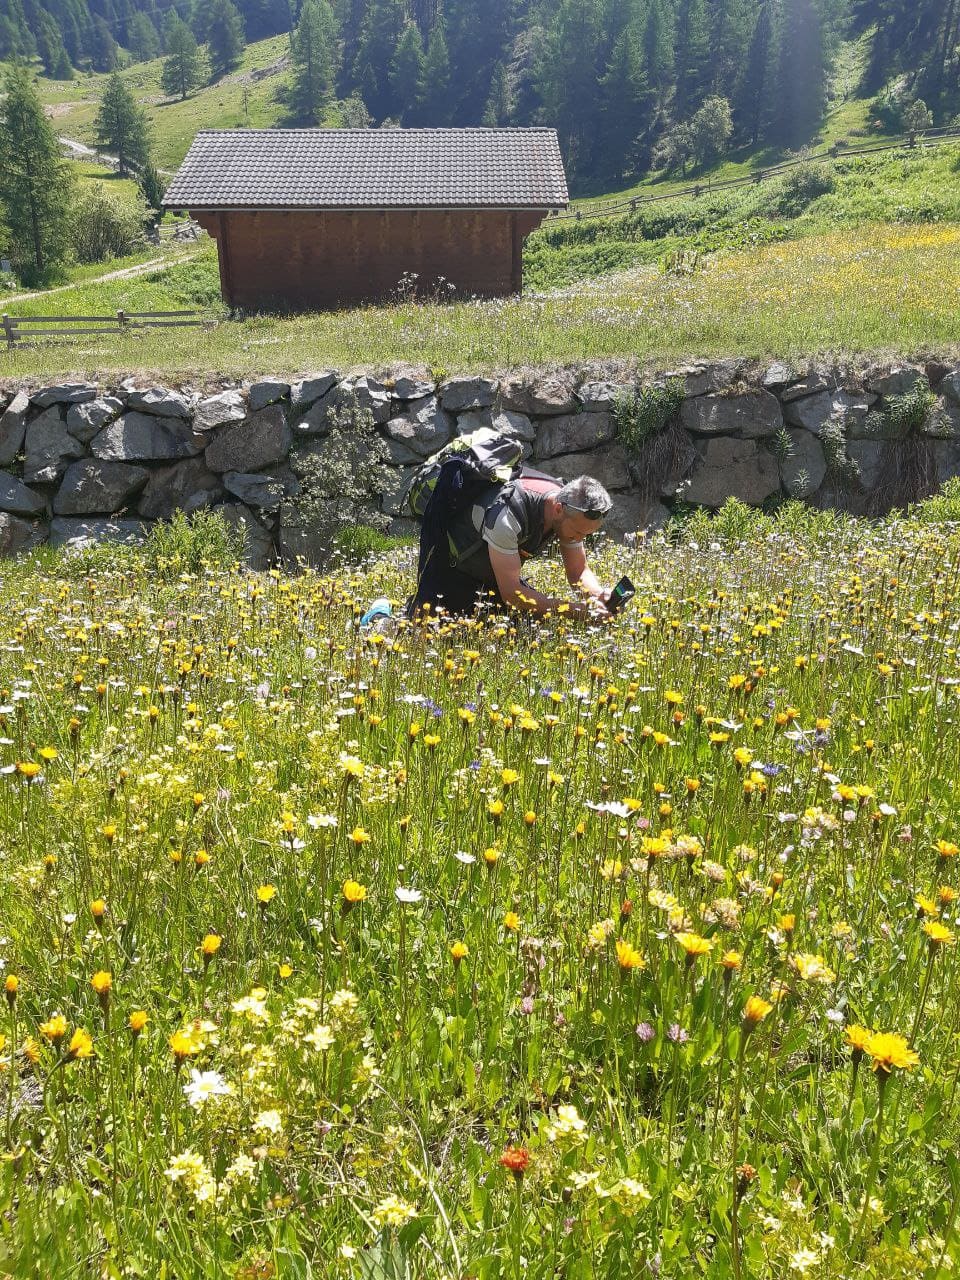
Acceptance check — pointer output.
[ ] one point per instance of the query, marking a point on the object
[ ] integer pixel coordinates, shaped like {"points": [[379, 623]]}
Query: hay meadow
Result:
{"points": [[497, 948]]}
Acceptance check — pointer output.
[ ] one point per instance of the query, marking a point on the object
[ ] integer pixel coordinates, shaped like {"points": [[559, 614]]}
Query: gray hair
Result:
{"points": [[584, 494]]}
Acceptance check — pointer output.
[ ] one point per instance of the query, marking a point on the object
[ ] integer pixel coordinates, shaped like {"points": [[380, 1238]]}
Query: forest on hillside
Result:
{"points": [[627, 83]]}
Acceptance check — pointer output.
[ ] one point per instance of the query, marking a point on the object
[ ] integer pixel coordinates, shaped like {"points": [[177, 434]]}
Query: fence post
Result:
{"points": [[9, 331], [122, 319]]}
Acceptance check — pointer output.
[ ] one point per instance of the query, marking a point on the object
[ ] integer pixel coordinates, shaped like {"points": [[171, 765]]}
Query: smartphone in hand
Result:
{"points": [[620, 595]]}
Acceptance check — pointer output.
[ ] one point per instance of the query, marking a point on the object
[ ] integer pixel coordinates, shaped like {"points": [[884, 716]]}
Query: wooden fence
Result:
{"points": [[619, 205], [27, 330]]}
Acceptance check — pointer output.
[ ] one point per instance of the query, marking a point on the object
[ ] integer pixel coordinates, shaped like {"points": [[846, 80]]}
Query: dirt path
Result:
{"points": [[80, 151], [122, 274]]}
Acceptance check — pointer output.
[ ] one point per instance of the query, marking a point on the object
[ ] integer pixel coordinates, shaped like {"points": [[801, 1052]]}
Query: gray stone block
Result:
{"points": [[896, 380], [572, 433], [140, 437], [459, 394], [308, 391], [79, 535], [424, 428], [18, 535], [601, 396], [732, 468], [65, 393], [85, 420], [185, 486], [16, 498], [259, 550], [48, 448], [263, 491], [608, 465], [251, 445], [160, 402], [868, 456], [632, 514], [809, 385], [94, 487], [13, 426], [749, 414], [217, 411], [267, 391], [950, 386], [811, 413], [803, 470]]}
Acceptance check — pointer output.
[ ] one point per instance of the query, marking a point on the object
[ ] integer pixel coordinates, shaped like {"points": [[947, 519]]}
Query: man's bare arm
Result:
{"points": [[520, 595]]}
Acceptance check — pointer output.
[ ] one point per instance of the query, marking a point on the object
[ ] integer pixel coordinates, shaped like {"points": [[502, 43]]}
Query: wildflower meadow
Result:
{"points": [[486, 948]]}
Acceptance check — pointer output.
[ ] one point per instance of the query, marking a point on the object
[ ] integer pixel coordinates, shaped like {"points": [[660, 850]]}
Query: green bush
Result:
{"points": [[106, 224], [201, 543], [941, 508]]}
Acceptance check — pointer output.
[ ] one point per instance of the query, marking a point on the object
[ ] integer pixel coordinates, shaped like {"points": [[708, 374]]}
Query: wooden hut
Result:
{"points": [[309, 219]]}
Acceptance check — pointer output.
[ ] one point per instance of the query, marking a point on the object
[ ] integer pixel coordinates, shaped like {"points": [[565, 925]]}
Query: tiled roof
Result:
{"points": [[370, 169]]}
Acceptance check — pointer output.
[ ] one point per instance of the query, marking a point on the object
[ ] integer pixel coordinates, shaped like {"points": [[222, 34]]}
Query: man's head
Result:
{"points": [[578, 508]]}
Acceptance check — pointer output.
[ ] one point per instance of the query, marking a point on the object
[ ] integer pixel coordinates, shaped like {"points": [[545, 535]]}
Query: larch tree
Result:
{"points": [[35, 183], [121, 127]]}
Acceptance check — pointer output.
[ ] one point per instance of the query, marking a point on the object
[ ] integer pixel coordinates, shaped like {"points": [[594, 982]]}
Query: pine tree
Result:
{"points": [[406, 74], [435, 107], [181, 70], [567, 76], [16, 38], [692, 57], [103, 47], [729, 37], [658, 46], [623, 107], [143, 41], [750, 104], [121, 127], [382, 29], [224, 35], [800, 74], [35, 182], [315, 53], [49, 44], [63, 70], [497, 110]]}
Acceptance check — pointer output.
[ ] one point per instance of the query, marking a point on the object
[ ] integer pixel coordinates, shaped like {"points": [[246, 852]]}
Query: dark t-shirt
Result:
{"points": [[509, 518]]}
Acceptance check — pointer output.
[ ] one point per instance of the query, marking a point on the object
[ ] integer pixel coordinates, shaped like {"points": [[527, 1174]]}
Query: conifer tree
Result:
{"points": [[143, 41], [121, 127], [497, 111], [567, 76], [224, 35], [750, 104], [692, 57], [658, 46], [406, 74], [103, 47], [35, 182], [315, 54], [435, 106], [379, 37], [181, 70], [800, 74], [624, 103]]}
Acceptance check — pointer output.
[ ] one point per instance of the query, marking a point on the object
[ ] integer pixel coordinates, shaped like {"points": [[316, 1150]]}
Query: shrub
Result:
{"points": [[340, 477], [105, 224], [941, 508], [201, 543]]}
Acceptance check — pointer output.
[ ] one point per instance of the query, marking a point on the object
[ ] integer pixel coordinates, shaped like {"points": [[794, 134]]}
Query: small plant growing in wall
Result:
{"points": [[908, 469], [341, 476], [649, 428]]}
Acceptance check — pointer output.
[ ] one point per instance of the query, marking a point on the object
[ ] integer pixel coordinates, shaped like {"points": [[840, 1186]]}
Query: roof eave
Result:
{"points": [[195, 207]]}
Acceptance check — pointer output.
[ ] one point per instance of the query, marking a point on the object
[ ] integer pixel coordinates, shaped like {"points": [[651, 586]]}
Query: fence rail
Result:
{"points": [[22, 331], [605, 209]]}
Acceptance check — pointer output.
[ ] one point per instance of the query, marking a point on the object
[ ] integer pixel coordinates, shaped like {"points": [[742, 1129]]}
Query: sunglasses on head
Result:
{"points": [[592, 513]]}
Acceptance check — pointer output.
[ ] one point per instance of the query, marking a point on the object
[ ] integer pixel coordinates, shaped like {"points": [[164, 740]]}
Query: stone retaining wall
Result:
{"points": [[82, 461]]}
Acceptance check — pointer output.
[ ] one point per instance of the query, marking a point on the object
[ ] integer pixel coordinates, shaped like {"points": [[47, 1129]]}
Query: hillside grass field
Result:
{"points": [[872, 288], [493, 950]]}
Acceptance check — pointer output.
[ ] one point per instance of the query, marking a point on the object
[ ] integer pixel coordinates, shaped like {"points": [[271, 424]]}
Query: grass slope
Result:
{"points": [[872, 288], [247, 96]]}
